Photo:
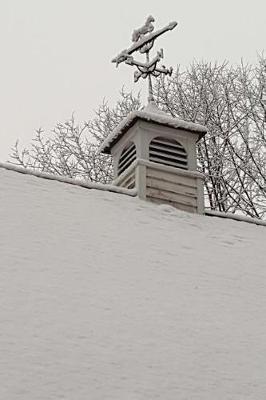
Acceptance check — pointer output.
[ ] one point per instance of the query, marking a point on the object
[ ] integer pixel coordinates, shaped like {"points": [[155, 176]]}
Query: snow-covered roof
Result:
{"points": [[105, 296], [153, 114]]}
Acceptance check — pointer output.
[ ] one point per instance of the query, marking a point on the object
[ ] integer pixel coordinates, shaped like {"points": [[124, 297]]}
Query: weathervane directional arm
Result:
{"points": [[142, 42]]}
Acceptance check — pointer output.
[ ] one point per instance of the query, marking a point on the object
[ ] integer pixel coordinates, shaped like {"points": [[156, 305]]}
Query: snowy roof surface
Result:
{"points": [[153, 114], [104, 296]]}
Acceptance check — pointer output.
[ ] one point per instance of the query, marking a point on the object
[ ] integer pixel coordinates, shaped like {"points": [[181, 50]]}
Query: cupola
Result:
{"points": [[156, 154]]}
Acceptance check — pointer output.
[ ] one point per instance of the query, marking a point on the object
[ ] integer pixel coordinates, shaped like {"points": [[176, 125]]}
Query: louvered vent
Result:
{"points": [[168, 152], [127, 157]]}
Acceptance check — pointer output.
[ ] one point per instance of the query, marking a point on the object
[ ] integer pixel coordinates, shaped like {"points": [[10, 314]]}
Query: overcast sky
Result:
{"points": [[55, 54]]}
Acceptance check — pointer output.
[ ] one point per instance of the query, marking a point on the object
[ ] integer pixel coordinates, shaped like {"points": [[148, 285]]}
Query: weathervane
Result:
{"points": [[143, 39]]}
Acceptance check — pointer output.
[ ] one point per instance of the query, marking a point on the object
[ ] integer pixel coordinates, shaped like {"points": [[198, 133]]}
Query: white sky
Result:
{"points": [[55, 54]]}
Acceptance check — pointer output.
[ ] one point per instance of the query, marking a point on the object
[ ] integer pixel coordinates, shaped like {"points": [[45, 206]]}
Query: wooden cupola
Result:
{"points": [[156, 154]]}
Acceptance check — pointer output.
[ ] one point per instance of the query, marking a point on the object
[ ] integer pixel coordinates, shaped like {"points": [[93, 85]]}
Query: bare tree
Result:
{"points": [[229, 100], [71, 149]]}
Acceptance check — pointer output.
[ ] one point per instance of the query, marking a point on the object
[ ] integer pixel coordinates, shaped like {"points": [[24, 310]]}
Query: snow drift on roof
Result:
{"points": [[104, 296]]}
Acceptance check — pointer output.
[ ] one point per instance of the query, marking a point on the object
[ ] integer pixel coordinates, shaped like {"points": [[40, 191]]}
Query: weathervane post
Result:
{"points": [[143, 39]]}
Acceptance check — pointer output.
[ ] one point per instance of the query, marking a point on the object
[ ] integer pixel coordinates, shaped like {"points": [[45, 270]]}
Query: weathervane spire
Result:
{"points": [[143, 41]]}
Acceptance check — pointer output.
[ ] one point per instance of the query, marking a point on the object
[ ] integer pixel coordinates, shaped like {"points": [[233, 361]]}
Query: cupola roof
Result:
{"points": [[150, 113]]}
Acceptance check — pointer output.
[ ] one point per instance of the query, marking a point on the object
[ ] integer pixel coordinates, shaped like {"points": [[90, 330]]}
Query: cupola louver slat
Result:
{"points": [[127, 157], [168, 152]]}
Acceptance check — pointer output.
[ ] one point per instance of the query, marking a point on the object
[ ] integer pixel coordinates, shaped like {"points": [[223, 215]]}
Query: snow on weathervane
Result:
{"points": [[143, 39]]}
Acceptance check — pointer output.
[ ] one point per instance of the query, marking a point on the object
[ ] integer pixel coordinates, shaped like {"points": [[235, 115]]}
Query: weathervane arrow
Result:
{"points": [[143, 39]]}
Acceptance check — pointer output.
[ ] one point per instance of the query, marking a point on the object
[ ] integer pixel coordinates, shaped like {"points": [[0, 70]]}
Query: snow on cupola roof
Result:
{"points": [[150, 113]]}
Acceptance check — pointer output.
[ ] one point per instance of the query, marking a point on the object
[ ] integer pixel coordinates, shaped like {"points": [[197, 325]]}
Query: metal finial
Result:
{"points": [[143, 39]]}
